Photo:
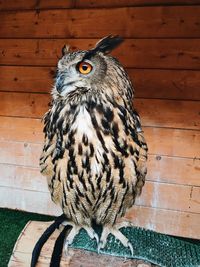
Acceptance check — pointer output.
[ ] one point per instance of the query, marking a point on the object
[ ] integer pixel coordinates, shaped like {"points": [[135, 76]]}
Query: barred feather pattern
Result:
{"points": [[95, 154], [96, 173]]}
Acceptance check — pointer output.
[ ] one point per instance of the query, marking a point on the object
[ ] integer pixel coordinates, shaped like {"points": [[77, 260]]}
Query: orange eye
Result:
{"points": [[84, 67]]}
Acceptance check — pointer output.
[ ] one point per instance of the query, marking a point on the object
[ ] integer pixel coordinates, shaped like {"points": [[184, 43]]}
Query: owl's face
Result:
{"points": [[77, 74], [92, 72]]}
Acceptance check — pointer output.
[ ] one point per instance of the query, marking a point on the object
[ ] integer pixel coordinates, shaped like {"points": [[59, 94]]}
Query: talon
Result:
{"points": [[130, 247], [99, 246], [66, 247], [96, 237]]}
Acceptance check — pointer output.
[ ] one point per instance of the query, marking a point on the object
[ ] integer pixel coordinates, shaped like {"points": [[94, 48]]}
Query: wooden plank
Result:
{"points": [[172, 84], [143, 53], [154, 112], [170, 196], [23, 178], [149, 22], [166, 84], [160, 220], [166, 221], [117, 3], [26, 79], [169, 113], [154, 194], [161, 141], [29, 178], [73, 259], [27, 200], [21, 129], [18, 153], [24, 105], [22, 257], [173, 170], [43, 4], [173, 142], [26, 241], [34, 4]]}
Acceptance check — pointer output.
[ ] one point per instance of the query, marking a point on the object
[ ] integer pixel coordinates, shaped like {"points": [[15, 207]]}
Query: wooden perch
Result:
{"points": [[22, 252]]}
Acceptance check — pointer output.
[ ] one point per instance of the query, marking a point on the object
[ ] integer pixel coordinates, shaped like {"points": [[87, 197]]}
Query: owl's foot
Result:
{"points": [[114, 230], [74, 231]]}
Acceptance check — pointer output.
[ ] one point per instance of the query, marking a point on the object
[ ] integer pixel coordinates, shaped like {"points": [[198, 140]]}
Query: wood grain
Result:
{"points": [[173, 170], [161, 169], [116, 3], [161, 141], [166, 84], [154, 194], [18, 153], [29, 178], [21, 129], [149, 22], [169, 113], [162, 55], [154, 112], [50, 4], [173, 142], [22, 252], [148, 83], [170, 196], [26, 79], [170, 222], [176, 223], [88, 259], [25, 105], [34, 4], [142, 53]]}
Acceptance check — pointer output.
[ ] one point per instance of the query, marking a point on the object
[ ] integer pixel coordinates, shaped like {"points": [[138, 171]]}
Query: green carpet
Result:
{"points": [[163, 250], [12, 223]]}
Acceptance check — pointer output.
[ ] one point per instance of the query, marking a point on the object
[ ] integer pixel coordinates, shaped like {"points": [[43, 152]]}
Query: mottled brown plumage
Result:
{"points": [[94, 154]]}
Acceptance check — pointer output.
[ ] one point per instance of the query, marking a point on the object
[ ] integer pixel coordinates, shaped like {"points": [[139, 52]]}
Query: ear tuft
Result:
{"points": [[108, 43], [65, 49], [105, 45]]}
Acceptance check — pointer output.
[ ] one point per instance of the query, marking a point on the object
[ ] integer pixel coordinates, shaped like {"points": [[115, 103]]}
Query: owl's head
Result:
{"points": [[90, 72]]}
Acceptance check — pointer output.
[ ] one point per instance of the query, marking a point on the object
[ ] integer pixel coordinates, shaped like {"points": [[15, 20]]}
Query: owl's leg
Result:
{"points": [[114, 230], [75, 230]]}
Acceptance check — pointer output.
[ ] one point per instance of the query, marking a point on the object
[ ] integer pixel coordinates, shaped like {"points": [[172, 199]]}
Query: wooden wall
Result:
{"points": [[162, 56]]}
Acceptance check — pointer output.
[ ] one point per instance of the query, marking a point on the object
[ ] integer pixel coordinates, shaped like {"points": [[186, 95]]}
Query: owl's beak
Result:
{"points": [[59, 83], [64, 85]]}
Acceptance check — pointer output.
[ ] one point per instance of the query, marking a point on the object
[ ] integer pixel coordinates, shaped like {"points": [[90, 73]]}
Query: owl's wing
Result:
{"points": [[142, 149], [48, 165]]}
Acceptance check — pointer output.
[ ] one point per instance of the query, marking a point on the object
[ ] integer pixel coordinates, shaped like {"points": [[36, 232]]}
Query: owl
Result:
{"points": [[94, 154]]}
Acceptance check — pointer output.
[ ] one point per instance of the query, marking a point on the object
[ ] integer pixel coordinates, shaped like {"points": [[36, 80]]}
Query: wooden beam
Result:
{"points": [[154, 112], [166, 221], [161, 141], [163, 169], [149, 22], [142, 53], [51, 4], [160, 220], [169, 113], [116, 3], [63, 4], [148, 83], [170, 196], [34, 4], [154, 194]]}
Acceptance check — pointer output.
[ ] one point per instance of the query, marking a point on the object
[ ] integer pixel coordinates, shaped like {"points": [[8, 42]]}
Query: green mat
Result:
{"points": [[163, 250], [157, 248]]}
